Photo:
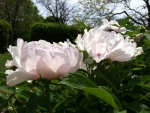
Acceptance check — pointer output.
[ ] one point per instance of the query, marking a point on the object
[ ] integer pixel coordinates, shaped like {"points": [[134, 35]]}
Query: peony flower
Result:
{"points": [[112, 25], [101, 44], [94, 42], [41, 59]]}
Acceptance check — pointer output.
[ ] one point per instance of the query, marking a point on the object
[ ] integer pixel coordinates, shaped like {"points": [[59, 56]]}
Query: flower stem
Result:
{"points": [[47, 92], [142, 98]]}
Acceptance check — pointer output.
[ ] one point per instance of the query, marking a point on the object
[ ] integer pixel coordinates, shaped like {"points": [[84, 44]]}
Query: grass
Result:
{"points": [[3, 58]]}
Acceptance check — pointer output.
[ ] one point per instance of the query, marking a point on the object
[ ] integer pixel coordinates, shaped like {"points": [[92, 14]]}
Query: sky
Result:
{"points": [[134, 3], [42, 10]]}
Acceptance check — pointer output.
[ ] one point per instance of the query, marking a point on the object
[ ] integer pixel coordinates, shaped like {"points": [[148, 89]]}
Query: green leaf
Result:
{"points": [[104, 77], [135, 69], [101, 94], [134, 107], [144, 85], [33, 103], [123, 22], [147, 42], [24, 93], [147, 36], [67, 100], [144, 111], [132, 94], [81, 82], [7, 89], [77, 80], [145, 78], [81, 24], [132, 82], [3, 103], [120, 111]]}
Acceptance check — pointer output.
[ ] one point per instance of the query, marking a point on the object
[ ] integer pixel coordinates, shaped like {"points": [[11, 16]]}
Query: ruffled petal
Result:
{"points": [[19, 76], [9, 63]]}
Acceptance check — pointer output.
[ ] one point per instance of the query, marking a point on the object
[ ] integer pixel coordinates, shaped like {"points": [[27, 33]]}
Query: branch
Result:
{"points": [[124, 12]]}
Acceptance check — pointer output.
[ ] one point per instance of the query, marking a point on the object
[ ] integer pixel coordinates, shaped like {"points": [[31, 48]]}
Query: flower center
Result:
{"points": [[99, 55]]}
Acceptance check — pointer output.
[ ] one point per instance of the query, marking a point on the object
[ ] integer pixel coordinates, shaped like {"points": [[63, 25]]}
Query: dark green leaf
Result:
{"points": [[120, 111], [33, 103], [3, 103], [104, 78], [131, 83], [145, 78], [67, 100], [78, 80]]}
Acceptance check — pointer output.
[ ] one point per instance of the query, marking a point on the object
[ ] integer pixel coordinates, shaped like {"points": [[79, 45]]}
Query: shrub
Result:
{"points": [[5, 35], [53, 32]]}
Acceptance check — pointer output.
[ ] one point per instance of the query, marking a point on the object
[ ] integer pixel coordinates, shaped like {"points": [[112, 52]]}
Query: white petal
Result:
{"points": [[9, 71], [19, 76], [9, 64], [19, 46], [15, 56]]}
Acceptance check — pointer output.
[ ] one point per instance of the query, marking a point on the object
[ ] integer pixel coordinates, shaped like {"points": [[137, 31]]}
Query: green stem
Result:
{"points": [[10, 94], [142, 98], [47, 92]]}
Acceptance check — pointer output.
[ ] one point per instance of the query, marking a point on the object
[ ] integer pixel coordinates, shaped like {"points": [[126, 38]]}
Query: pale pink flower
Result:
{"points": [[42, 59], [101, 44]]}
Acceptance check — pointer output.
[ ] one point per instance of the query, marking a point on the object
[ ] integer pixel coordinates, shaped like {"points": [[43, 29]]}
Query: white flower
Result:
{"points": [[101, 44], [42, 59], [94, 42]]}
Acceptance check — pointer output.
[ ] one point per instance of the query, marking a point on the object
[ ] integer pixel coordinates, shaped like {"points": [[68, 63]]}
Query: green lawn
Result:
{"points": [[3, 58]]}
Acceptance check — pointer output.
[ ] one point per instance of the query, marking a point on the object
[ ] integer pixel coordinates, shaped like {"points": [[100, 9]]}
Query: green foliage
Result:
{"points": [[113, 87], [53, 32], [5, 35], [51, 19], [20, 14], [27, 14]]}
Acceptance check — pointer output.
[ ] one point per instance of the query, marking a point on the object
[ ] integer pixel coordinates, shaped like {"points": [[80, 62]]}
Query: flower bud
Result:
{"points": [[138, 37]]}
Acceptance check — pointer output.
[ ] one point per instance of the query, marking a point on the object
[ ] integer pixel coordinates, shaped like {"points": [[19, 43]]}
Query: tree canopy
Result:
{"points": [[60, 10], [139, 15], [20, 14], [92, 11], [95, 10]]}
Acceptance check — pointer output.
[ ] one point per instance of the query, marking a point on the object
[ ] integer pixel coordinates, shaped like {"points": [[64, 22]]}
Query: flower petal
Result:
{"points": [[19, 76], [9, 64]]}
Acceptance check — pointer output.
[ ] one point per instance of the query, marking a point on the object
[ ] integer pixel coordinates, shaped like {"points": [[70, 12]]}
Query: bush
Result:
{"points": [[5, 35], [53, 32]]}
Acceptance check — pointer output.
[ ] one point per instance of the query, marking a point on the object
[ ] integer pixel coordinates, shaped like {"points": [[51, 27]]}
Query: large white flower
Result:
{"points": [[101, 44], [42, 59]]}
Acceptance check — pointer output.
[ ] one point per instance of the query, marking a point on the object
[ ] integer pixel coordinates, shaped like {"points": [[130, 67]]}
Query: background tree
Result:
{"points": [[20, 14], [139, 15], [60, 10], [92, 11], [51, 19], [95, 10]]}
